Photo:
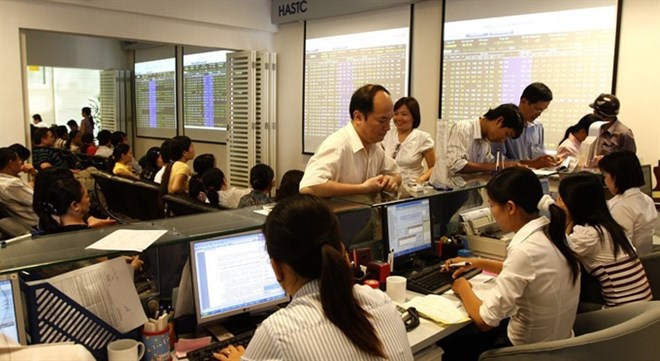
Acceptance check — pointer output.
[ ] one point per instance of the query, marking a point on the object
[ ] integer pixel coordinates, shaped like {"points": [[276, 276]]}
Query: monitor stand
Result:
{"points": [[236, 324], [414, 263]]}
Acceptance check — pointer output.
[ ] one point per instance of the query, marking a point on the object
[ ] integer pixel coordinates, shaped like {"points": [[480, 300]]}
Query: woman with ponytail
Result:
{"points": [[600, 242], [65, 207], [329, 318], [538, 284], [177, 172], [122, 158], [574, 136]]}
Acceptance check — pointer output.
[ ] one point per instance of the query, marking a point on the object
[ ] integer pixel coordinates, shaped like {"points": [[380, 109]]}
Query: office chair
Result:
{"points": [[627, 332]]}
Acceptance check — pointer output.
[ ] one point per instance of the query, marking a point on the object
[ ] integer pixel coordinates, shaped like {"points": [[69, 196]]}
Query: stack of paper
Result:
{"points": [[439, 309]]}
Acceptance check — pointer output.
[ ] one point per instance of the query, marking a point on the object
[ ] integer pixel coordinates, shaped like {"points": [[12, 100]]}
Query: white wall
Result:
{"points": [[638, 78], [75, 51], [219, 24]]}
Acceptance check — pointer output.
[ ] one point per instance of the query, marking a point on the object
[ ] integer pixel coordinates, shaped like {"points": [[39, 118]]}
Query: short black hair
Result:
{"points": [[625, 168], [40, 134], [61, 131], [363, 99], [104, 137], [21, 150], [413, 106], [165, 150], [6, 156], [36, 116], [117, 137], [203, 162], [72, 123], [512, 118], [537, 92]]}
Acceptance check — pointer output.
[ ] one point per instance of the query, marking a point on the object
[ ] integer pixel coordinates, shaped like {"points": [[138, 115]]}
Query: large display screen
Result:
{"points": [[489, 60], [342, 56], [205, 95], [155, 97]]}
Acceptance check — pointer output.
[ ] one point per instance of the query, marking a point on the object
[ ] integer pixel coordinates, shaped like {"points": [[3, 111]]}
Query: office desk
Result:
{"points": [[429, 332]]}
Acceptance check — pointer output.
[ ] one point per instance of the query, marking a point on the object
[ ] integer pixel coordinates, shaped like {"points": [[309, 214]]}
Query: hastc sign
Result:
{"points": [[292, 8]]}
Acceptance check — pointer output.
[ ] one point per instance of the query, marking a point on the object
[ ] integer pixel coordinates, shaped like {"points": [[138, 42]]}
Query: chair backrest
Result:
{"points": [[149, 195], [11, 227], [181, 205], [651, 263], [621, 333]]}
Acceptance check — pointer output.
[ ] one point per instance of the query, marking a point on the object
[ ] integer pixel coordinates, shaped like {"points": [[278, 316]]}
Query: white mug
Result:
{"points": [[125, 350], [396, 288]]}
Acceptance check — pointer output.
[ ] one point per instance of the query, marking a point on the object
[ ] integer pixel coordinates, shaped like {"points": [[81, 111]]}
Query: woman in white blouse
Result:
{"points": [[574, 136], [538, 284], [600, 243], [329, 317], [632, 209], [408, 145]]}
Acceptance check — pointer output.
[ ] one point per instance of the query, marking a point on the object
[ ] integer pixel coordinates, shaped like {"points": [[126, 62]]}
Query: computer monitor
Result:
{"points": [[407, 228], [647, 188], [356, 227], [11, 314], [232, 275]]}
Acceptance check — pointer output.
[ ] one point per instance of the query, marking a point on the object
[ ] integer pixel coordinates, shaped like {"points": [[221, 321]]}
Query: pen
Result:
{"points": [[16, 239], [459, 264]]}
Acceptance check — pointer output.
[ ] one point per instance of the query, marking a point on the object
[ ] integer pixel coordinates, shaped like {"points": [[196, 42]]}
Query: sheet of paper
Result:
{"points": [[263, 212], [439, 309], [106, 290], [128, 240]]}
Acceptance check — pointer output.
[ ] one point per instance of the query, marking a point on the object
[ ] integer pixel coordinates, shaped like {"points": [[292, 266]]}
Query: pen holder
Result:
{"points": [[157, 345]]}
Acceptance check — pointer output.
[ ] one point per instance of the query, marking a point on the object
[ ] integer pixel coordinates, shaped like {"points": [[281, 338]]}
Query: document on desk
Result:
{"points": [[105, 289], [128, 240], [439, 308]]}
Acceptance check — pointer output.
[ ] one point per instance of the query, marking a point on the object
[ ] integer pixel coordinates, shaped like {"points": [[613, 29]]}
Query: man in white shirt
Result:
{"points": [[38, 122], [105, 144], [469, 141], [15, 194], [350, 161], [529, 147]]}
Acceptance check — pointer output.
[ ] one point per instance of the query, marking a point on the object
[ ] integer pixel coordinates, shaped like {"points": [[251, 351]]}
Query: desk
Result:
{"points": [[429, 332]]}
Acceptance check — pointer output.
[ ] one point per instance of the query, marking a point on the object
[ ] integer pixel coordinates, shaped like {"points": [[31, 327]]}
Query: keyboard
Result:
{"points": [[431, 281], [206, 353]]}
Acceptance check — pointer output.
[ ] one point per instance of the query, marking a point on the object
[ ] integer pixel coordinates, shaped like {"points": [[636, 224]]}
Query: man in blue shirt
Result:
{"points": [[528, 149]]}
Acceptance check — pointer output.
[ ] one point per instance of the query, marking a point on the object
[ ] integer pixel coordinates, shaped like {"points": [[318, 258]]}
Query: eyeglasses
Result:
{"points": [[538, 110], [396, 151]]}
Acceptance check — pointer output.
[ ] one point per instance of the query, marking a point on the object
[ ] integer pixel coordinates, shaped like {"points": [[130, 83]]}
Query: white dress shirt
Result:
{"points": [[343, 158], [465, 144], [301, 331], [535, 288], [103, 151], [409, 153], [230, 197], [17, 196], [159, 175], [636, 213]]}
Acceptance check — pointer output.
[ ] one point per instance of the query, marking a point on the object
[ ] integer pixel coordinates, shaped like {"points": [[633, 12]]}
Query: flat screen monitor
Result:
{"points": [[647, 188], [408, 227], [232, 275], [11, 315]]}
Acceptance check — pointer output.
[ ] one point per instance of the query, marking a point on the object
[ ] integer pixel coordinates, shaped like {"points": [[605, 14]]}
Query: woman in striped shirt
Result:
{"points": [[600, 242], [329, 318]]}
